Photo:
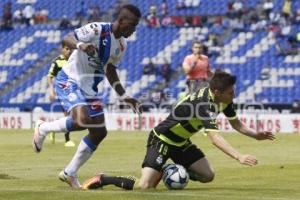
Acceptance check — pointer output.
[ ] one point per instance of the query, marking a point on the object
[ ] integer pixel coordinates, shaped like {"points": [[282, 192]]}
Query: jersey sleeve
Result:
{"points": [[54, 69], [88, 32], [229, 111], [208, 122]]}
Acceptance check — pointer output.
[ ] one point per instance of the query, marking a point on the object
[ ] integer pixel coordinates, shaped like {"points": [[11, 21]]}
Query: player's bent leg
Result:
{"points": [[86, 147], [98, 133], [150, 178], [201, 171]]}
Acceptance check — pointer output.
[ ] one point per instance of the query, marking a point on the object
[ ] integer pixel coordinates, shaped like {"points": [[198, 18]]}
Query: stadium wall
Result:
{"points": [[283, 123]]}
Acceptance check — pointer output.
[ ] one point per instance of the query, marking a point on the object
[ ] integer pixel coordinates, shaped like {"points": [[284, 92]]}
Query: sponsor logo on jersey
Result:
{"points": [[72, 97], [117, 51], [159, 159], [96, 105], [96, 31]]}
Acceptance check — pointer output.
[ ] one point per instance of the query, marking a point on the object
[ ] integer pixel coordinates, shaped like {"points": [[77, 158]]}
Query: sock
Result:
{"points": [[119, 181], [84, 152], [67, 136], [60, 125]]}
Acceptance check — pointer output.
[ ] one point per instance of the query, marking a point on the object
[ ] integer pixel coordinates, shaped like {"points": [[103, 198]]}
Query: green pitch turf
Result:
{"points": [[29, 176]]}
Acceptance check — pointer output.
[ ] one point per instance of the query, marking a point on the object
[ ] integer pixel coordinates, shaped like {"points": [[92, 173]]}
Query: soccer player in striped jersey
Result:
{"points": [[98, 47], [171, 138]]}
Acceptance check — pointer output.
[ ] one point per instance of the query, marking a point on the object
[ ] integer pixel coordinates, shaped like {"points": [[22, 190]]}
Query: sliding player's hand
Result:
{"points": [[134, 104], [247, 160], [265, 135]]}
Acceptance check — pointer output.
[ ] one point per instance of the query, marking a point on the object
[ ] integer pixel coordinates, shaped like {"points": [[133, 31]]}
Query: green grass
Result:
{"points": [[29, 176]]}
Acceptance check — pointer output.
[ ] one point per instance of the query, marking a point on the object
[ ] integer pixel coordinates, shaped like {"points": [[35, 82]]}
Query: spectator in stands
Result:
{"points": [[56, 66], [296, 18], [286, 46], [76, 23], [296, 106], [149, 68], [197, 68], [7, 18], [18, 16], [268, 7], [41, 15], [157, 98], [213, 45], [166, 71], [238, 8], [28, 13], [152, 17], [287, 9], [94, 13], [180, 4], [65, 23], [166, 21], [163, 9]]}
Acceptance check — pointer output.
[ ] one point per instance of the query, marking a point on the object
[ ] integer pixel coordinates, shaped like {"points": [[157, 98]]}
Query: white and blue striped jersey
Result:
{"points": [[88, 71]]}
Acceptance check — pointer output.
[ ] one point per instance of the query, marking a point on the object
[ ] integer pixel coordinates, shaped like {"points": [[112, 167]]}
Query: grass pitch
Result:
{"points": [[29, 176]]}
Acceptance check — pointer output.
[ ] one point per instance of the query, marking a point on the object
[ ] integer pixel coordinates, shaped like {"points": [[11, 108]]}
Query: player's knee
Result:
{"points": [[102, 134], [97, 135], [146, 185], [209, 177]]}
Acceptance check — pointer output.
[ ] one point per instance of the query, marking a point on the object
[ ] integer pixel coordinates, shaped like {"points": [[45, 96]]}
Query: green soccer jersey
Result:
{"points": [[194, 112], [56, 66]]}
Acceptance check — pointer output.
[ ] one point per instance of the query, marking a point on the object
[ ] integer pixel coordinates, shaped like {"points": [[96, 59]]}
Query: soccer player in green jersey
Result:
{"points": [[56, 66], [171, 138]]}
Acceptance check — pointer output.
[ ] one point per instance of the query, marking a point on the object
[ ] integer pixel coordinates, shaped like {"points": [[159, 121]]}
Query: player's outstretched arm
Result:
{"points": [[113, 79], [224, 146], [259, 135]]}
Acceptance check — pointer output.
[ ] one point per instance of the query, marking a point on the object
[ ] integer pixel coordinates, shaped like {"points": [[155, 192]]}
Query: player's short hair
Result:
{"points": [[133, 9], [63, 44], [221, 80], [196, 42]]}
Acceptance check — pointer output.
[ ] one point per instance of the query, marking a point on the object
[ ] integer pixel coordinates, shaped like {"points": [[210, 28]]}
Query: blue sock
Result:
{"points": [[70, 124], [90, 144]]}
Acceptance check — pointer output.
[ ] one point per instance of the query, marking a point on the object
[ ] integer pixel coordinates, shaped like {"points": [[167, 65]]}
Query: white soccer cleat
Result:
{"points": [[71, 180], [38, 139]]}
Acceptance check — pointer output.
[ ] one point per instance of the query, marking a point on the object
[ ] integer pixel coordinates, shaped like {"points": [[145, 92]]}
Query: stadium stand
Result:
{"points": [[263, 75]]}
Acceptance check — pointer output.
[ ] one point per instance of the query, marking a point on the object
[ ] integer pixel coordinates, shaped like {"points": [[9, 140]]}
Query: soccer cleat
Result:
{"points": [[38, 139], [70, 143], [93, 183], [71, 180]]}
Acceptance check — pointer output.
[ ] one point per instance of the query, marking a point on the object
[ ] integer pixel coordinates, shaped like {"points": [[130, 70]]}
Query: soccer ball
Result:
{"points": [[175, 176]]}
